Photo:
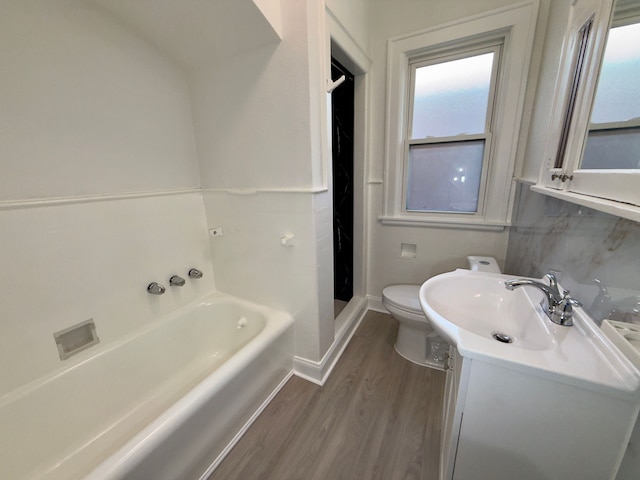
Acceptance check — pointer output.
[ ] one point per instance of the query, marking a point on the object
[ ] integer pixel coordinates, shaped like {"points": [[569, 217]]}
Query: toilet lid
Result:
{"points": [[404, 297]]}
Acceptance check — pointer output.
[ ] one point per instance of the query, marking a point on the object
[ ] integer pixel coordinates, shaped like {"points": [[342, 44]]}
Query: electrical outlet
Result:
{"points": [[216, 232]]}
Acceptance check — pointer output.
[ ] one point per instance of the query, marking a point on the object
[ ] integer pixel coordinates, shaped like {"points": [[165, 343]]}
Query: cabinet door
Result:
{"points": [[452, 415], [529, 427]]}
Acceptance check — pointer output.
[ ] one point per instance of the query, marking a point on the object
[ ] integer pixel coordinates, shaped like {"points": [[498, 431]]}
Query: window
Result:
{"points": [[449, 131], [455, 98]]}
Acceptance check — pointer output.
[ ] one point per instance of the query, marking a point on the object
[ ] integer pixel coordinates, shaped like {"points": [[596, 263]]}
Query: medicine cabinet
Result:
{"points": [[592, 155]]}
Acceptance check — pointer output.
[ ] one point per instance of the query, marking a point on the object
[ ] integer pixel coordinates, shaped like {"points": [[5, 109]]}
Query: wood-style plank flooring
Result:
{"points": [[378, 416]]}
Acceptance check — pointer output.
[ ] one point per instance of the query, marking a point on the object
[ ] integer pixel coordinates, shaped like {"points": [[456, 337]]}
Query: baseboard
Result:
{"points": [[318, 372], [375, 304], [245, 427]]}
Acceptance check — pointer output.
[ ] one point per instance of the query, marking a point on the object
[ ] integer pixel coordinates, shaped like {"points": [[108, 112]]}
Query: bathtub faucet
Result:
{"points": [[176, 281], [195, 273], [154, 288], [559, 307]]}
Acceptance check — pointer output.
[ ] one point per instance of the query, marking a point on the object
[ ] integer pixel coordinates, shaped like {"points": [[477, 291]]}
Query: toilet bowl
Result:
{"points": [[416, 340]]}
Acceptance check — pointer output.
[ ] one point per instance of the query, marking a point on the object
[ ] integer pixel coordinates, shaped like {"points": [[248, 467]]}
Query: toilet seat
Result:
{"points": [[403, 297]]}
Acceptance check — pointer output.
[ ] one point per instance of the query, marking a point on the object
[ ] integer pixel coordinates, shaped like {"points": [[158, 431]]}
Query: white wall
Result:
{"points": [[252, 113], [355, 17], [87, 108], [249, 260]]}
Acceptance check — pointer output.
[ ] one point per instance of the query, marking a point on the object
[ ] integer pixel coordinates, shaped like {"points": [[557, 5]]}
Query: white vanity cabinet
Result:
{"points": [[502, 423]]}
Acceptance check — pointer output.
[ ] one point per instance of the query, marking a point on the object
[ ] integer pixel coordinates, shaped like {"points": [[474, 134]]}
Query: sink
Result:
{"points": [[476, 313], [480, 304]]}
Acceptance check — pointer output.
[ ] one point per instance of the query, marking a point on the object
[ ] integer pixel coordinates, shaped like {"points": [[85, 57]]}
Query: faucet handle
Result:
{"points": [[568, 299], [154, 288], [564, 309], [195, 273]]}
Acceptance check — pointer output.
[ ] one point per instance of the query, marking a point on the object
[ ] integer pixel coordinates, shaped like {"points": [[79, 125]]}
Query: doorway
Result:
{"points": [[342, 133]]}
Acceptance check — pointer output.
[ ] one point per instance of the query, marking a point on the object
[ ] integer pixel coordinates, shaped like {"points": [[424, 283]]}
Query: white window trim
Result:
{"points": [[516, 25], [474, 49]]}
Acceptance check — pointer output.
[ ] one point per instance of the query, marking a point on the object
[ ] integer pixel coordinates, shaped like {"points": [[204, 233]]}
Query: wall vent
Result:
{"points": [[75, 339]]}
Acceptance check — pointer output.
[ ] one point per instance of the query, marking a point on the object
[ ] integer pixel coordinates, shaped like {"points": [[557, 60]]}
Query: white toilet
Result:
{"points": [[417, 341]]}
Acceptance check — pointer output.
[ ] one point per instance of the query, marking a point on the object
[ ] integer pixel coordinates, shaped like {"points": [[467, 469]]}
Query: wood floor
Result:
{"points": [[378, 416]]}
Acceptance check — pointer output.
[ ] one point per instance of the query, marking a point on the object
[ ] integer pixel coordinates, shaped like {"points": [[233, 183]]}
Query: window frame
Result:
{"points": [[513, 26], [613, 184], [466, 51]]}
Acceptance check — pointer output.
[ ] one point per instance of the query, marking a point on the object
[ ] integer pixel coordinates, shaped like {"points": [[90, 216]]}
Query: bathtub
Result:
{"points": [[164, 403]]}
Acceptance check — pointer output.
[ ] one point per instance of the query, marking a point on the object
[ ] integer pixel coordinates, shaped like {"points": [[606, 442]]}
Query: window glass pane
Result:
{"points": [[618, 96], [615, 148], [445, 177], [451, 98], [614, 136]]}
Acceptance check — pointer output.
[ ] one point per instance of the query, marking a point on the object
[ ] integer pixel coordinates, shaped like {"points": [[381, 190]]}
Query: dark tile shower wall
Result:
{"points": [[584, 247], [342, 106]]}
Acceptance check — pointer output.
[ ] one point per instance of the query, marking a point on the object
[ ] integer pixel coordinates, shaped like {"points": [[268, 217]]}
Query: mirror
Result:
{"points": [[613, 137]]}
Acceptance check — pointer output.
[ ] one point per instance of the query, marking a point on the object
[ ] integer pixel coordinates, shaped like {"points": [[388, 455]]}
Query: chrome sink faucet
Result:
{"points": [[559, 307]]}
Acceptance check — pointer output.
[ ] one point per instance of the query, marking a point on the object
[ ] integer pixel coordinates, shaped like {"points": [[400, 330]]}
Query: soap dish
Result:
{"points": [[625, 336]]}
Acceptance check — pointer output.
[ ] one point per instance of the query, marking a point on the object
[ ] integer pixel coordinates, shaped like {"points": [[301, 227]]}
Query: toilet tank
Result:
{"points": [[483, 264]]}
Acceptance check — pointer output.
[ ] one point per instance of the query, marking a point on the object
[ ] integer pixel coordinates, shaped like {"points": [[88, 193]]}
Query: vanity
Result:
{"points": [[525, 398]]}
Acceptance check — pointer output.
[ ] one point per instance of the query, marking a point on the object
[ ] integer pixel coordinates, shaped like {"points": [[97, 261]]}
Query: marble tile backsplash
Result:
{"points": [[595, 255]]}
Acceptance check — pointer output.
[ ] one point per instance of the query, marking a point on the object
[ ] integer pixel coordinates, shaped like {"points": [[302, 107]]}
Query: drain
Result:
{"points": [[502, 337]]}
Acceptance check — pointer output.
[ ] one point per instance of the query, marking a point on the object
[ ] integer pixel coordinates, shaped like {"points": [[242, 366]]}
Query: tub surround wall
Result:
{"points": [[64, 264], [250, 261], [91, 115]]}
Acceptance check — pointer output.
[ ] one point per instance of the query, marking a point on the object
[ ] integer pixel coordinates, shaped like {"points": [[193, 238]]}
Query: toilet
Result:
{"points": [[417, 341]]}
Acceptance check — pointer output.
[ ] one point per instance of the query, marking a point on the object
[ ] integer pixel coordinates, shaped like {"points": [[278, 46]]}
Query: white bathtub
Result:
{"points": [[161, 404]]}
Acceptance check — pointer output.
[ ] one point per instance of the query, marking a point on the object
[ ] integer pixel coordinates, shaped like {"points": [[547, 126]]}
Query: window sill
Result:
{"points": [[619, 209], [462, 224]]}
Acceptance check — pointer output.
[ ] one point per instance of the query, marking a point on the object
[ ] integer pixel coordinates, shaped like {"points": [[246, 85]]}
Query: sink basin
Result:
{"points": [[476, 313], [480, 304]]}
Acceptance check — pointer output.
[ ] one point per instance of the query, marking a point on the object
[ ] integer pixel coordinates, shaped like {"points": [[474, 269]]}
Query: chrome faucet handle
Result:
{"points": [[195, 273], [176, 281], [563, 311], [154, 288]]}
